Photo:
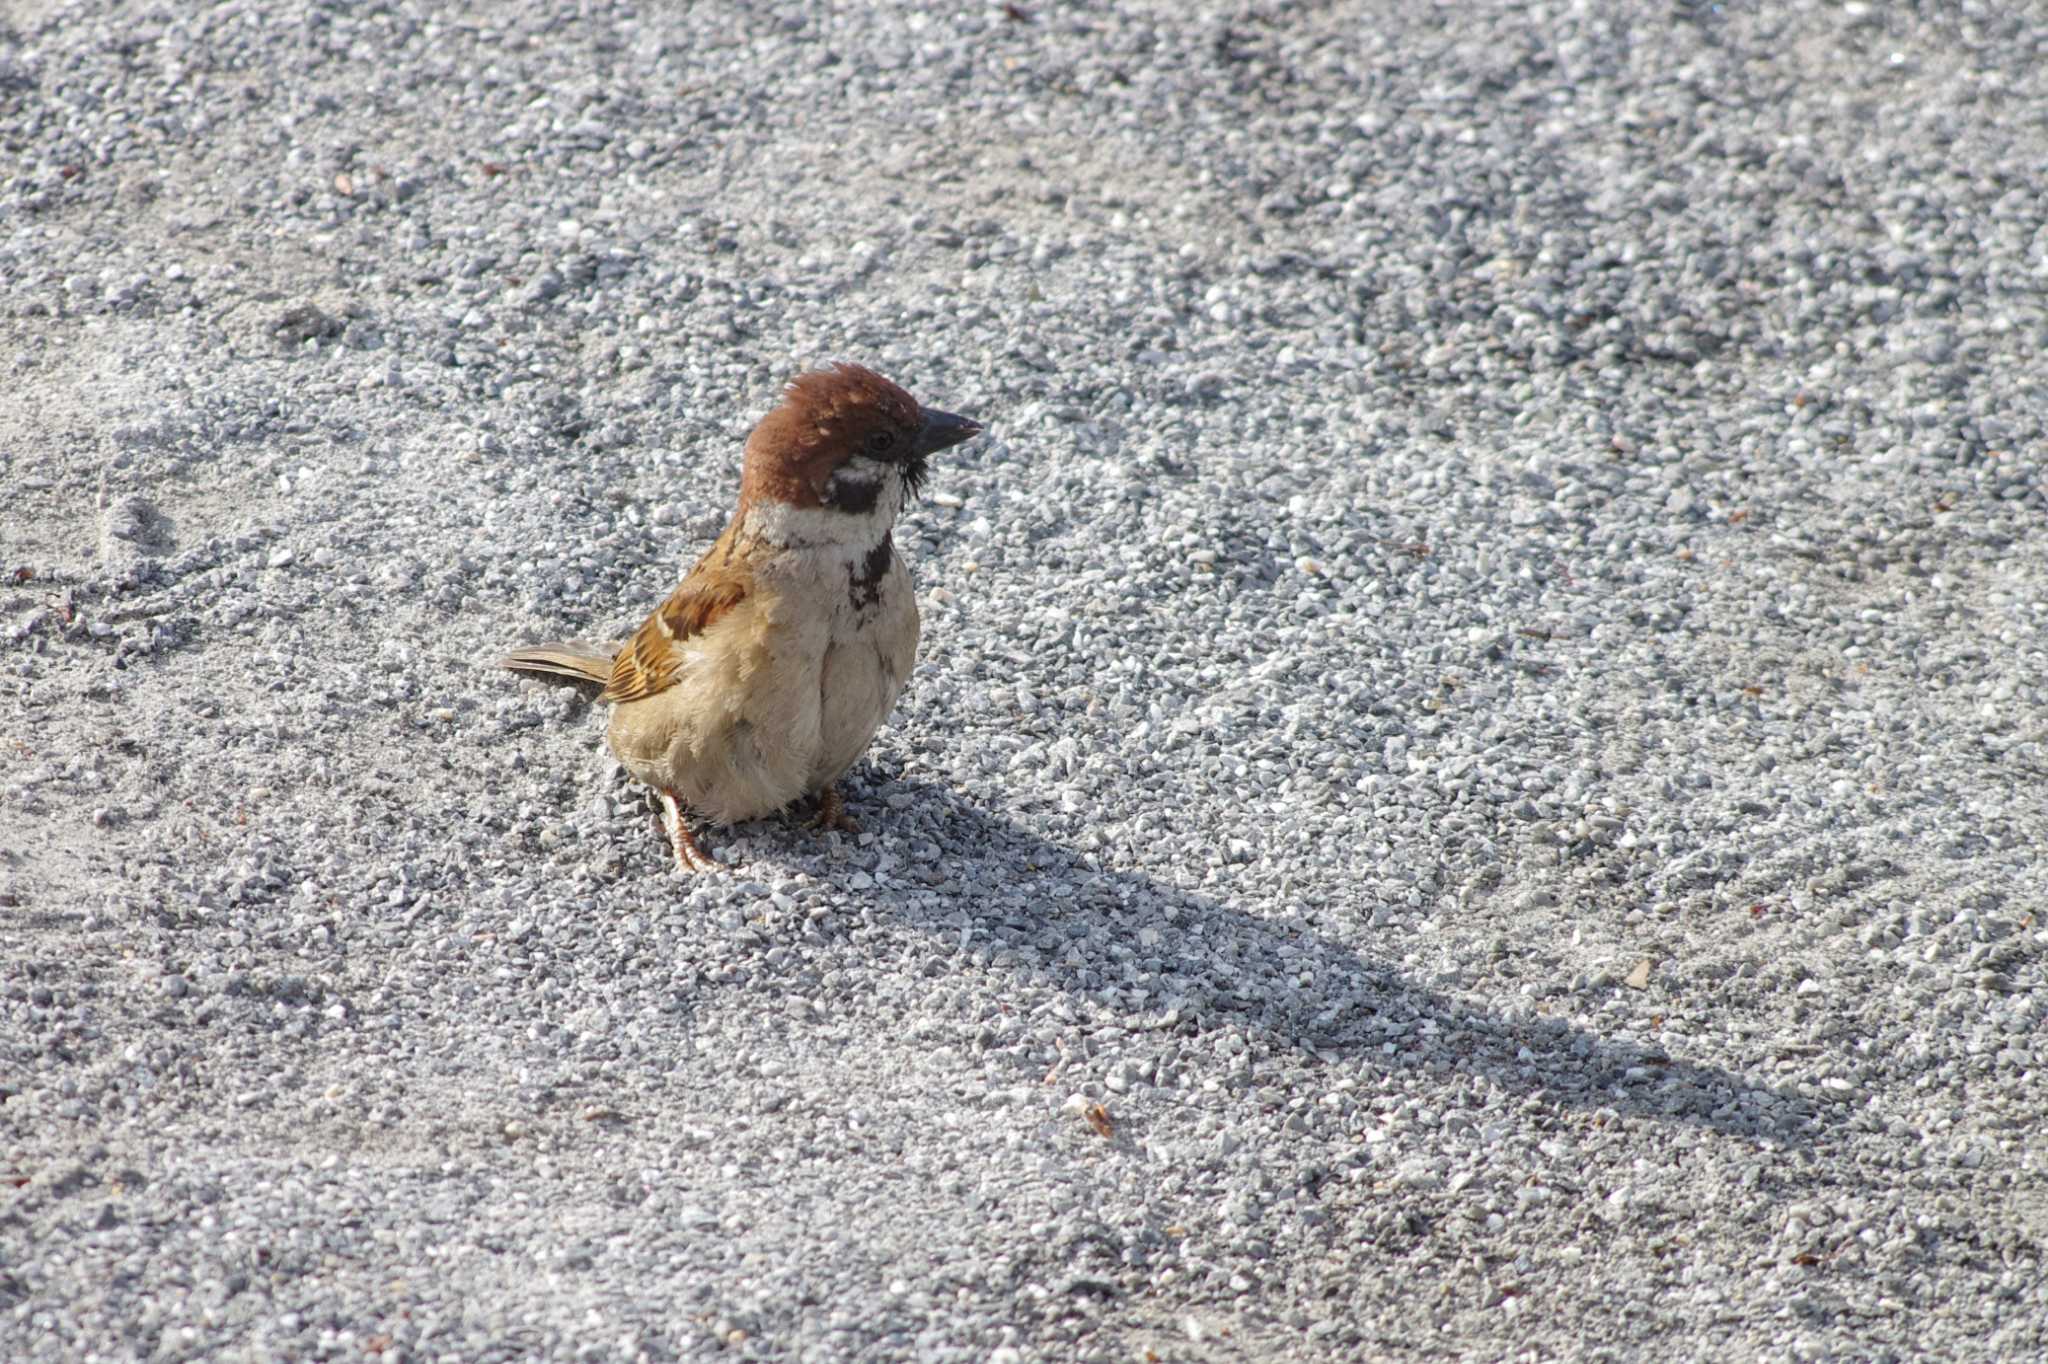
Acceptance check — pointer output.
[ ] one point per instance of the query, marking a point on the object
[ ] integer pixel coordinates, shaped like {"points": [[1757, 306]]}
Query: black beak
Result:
{"points": [[942, 430]]}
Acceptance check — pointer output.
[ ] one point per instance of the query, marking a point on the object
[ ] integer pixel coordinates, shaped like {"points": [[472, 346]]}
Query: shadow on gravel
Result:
{"points": [[1097, 934]]}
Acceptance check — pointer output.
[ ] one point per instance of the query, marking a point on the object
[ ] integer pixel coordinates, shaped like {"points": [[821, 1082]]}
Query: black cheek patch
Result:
{"points": [[864, 579], [855, 495]]}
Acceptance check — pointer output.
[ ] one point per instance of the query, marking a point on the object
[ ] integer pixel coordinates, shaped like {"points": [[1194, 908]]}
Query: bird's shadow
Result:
{"points": [[1186, 962]]}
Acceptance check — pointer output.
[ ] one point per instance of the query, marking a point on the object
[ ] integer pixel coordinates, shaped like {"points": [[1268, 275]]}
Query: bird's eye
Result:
{"points": [[881, 442]]}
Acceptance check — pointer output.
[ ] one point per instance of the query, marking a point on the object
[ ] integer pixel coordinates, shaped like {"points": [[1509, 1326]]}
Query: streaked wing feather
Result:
{"points": [[653, 659]]}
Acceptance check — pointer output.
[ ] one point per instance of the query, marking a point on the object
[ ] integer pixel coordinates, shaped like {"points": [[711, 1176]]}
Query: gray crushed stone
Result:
{"points": [[1474, 787]]}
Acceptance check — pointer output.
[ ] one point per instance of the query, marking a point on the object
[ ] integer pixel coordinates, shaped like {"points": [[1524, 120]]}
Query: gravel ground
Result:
{"points": [[1483, 698]]}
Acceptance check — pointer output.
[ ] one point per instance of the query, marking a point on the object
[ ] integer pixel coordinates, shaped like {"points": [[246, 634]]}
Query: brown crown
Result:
{"points": [[825, 418]]}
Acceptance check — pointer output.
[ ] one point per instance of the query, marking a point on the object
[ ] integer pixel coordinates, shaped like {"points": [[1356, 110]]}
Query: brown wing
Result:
{"points": [[652, 660]]}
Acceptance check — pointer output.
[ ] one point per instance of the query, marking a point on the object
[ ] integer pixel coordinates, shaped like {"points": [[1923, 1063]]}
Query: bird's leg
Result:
{"points": [[689, 857], [832, 812]]}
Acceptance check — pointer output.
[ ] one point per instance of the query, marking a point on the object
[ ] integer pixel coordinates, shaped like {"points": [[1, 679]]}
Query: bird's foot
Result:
{"points": [[832, 813], [689, 857]]}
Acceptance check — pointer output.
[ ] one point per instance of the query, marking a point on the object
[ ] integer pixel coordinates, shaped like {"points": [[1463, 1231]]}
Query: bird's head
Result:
{"points": [[845, 442]]}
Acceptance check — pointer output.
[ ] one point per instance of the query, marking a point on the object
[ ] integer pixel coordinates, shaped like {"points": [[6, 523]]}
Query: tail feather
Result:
{"points": [[571, 658]]}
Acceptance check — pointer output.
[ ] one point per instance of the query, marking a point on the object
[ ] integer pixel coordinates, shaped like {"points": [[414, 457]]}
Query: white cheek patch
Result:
{"points": [[861, 469], [850, 524]]}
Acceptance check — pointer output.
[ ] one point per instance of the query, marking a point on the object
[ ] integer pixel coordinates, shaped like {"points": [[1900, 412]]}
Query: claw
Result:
{"points": [[689, 857], [832, 813]]}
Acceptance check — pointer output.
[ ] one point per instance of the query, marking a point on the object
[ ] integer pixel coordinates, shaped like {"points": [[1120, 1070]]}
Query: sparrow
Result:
{"points": [[769, 668]]}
